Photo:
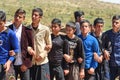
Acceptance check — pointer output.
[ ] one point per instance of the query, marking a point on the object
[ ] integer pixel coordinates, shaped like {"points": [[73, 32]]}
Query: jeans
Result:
{"points": [[2, 72], [89, 76], [40, 72], [57, 72], [114, 72], [23, 75]]}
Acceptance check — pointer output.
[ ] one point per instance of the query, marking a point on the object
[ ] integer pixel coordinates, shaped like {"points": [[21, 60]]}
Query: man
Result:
{"points": [[42, 45], [111, 45], [79, 15], [8, 41], [102, 71], [23, 59], [90, 46]]}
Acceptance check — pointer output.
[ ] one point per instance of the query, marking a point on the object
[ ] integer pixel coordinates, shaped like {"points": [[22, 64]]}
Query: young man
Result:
{"points": [[90, 46], [55, 56], [75, 56], [23, 59], [8, 41], [102, 71], [42, 45], [111, 45], [79, 15]]}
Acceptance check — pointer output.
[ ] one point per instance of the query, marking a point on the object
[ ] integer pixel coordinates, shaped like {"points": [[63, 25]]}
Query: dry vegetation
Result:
{"points": [[62, 9]]}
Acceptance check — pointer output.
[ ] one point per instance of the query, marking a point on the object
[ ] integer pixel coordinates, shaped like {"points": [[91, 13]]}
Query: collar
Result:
{"points": [[16, 29]]}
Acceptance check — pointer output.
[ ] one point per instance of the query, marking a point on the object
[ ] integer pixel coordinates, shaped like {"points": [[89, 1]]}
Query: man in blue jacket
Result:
{"points": [[111, 45], [8, 41], [90, 46]]}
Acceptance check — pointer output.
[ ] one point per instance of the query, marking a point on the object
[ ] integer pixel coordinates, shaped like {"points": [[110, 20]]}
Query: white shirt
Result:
{"points": [[18, 32]]}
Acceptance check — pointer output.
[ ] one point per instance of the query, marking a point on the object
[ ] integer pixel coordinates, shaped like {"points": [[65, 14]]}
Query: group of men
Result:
{"points": [[85, 52]]}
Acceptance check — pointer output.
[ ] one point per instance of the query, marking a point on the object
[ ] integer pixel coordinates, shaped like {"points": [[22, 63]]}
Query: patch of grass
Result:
{"points": [[62, 9]]}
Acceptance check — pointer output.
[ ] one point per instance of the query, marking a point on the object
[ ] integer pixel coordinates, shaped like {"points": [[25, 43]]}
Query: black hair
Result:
{"points": [[56, 21], [39, 10], [71, 24], [78, 14], [20, 11], [116, 17], [2, 16], [98, 20], [84, 21]]}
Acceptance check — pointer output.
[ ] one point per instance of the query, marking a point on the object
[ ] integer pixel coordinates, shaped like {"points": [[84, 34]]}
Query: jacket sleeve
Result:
{"points": [[13, 44], [80, 52], [96, 49]]}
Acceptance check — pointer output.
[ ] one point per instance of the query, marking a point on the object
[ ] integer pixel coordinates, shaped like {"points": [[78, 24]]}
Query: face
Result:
{"points": [[80, 18], [36, 17], [116, 25], [69, 31], [19, 18], [55, 28], [85, 28], [98, 27], [2, 24]]}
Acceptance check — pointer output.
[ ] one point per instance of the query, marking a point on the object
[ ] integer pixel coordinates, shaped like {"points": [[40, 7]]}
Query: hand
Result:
{"points": [[91, 71], [106, 55], [23, 68], [7, 65], [80, 60], [48, 47], [11, 53], [68, 58], [31, 52], [97, 58], [38, 58], [66, 72], [82, 74]]}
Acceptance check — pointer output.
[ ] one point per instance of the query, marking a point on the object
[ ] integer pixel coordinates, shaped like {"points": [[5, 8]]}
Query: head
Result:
{"points": [[116, 23], [19, 16], [70, 28], [2, 19], [98, 25], [56, 26], [79, 15], [37, 14], [85, 27]]}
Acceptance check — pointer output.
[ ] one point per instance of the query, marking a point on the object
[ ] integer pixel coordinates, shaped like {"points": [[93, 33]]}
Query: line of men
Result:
{"points": [[81, 54]]}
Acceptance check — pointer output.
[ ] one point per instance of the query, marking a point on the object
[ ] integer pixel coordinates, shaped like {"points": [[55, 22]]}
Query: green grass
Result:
{"points": [[62, 9]]}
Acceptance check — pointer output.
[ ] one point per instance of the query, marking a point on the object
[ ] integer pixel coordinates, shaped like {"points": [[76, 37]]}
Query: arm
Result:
{"points": [[94, 64], [81, 54], [106, 44], [13, 45]]}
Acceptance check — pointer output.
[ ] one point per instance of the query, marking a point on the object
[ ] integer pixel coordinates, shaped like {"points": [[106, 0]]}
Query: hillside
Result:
{"points": [[62, 9]]}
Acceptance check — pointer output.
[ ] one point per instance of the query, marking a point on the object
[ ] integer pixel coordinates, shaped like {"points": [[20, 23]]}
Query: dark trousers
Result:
{"points": [[2, 72], [40, 72], [89, 76], [23, 75], [114, 72], [102, 71], [74, 70], [57, 72]]}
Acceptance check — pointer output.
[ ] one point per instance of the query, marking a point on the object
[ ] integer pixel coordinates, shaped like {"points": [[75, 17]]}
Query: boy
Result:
{"points": [[75, 56], [78, 15], [23, 59], [111, 47], [55, 56], [102, 71], [8, 41], [90, 46], [42, 45]]}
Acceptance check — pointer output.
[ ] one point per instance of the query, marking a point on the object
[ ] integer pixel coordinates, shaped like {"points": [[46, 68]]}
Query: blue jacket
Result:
{"points": [[8, 41], [90, 46], [111, 42]]}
